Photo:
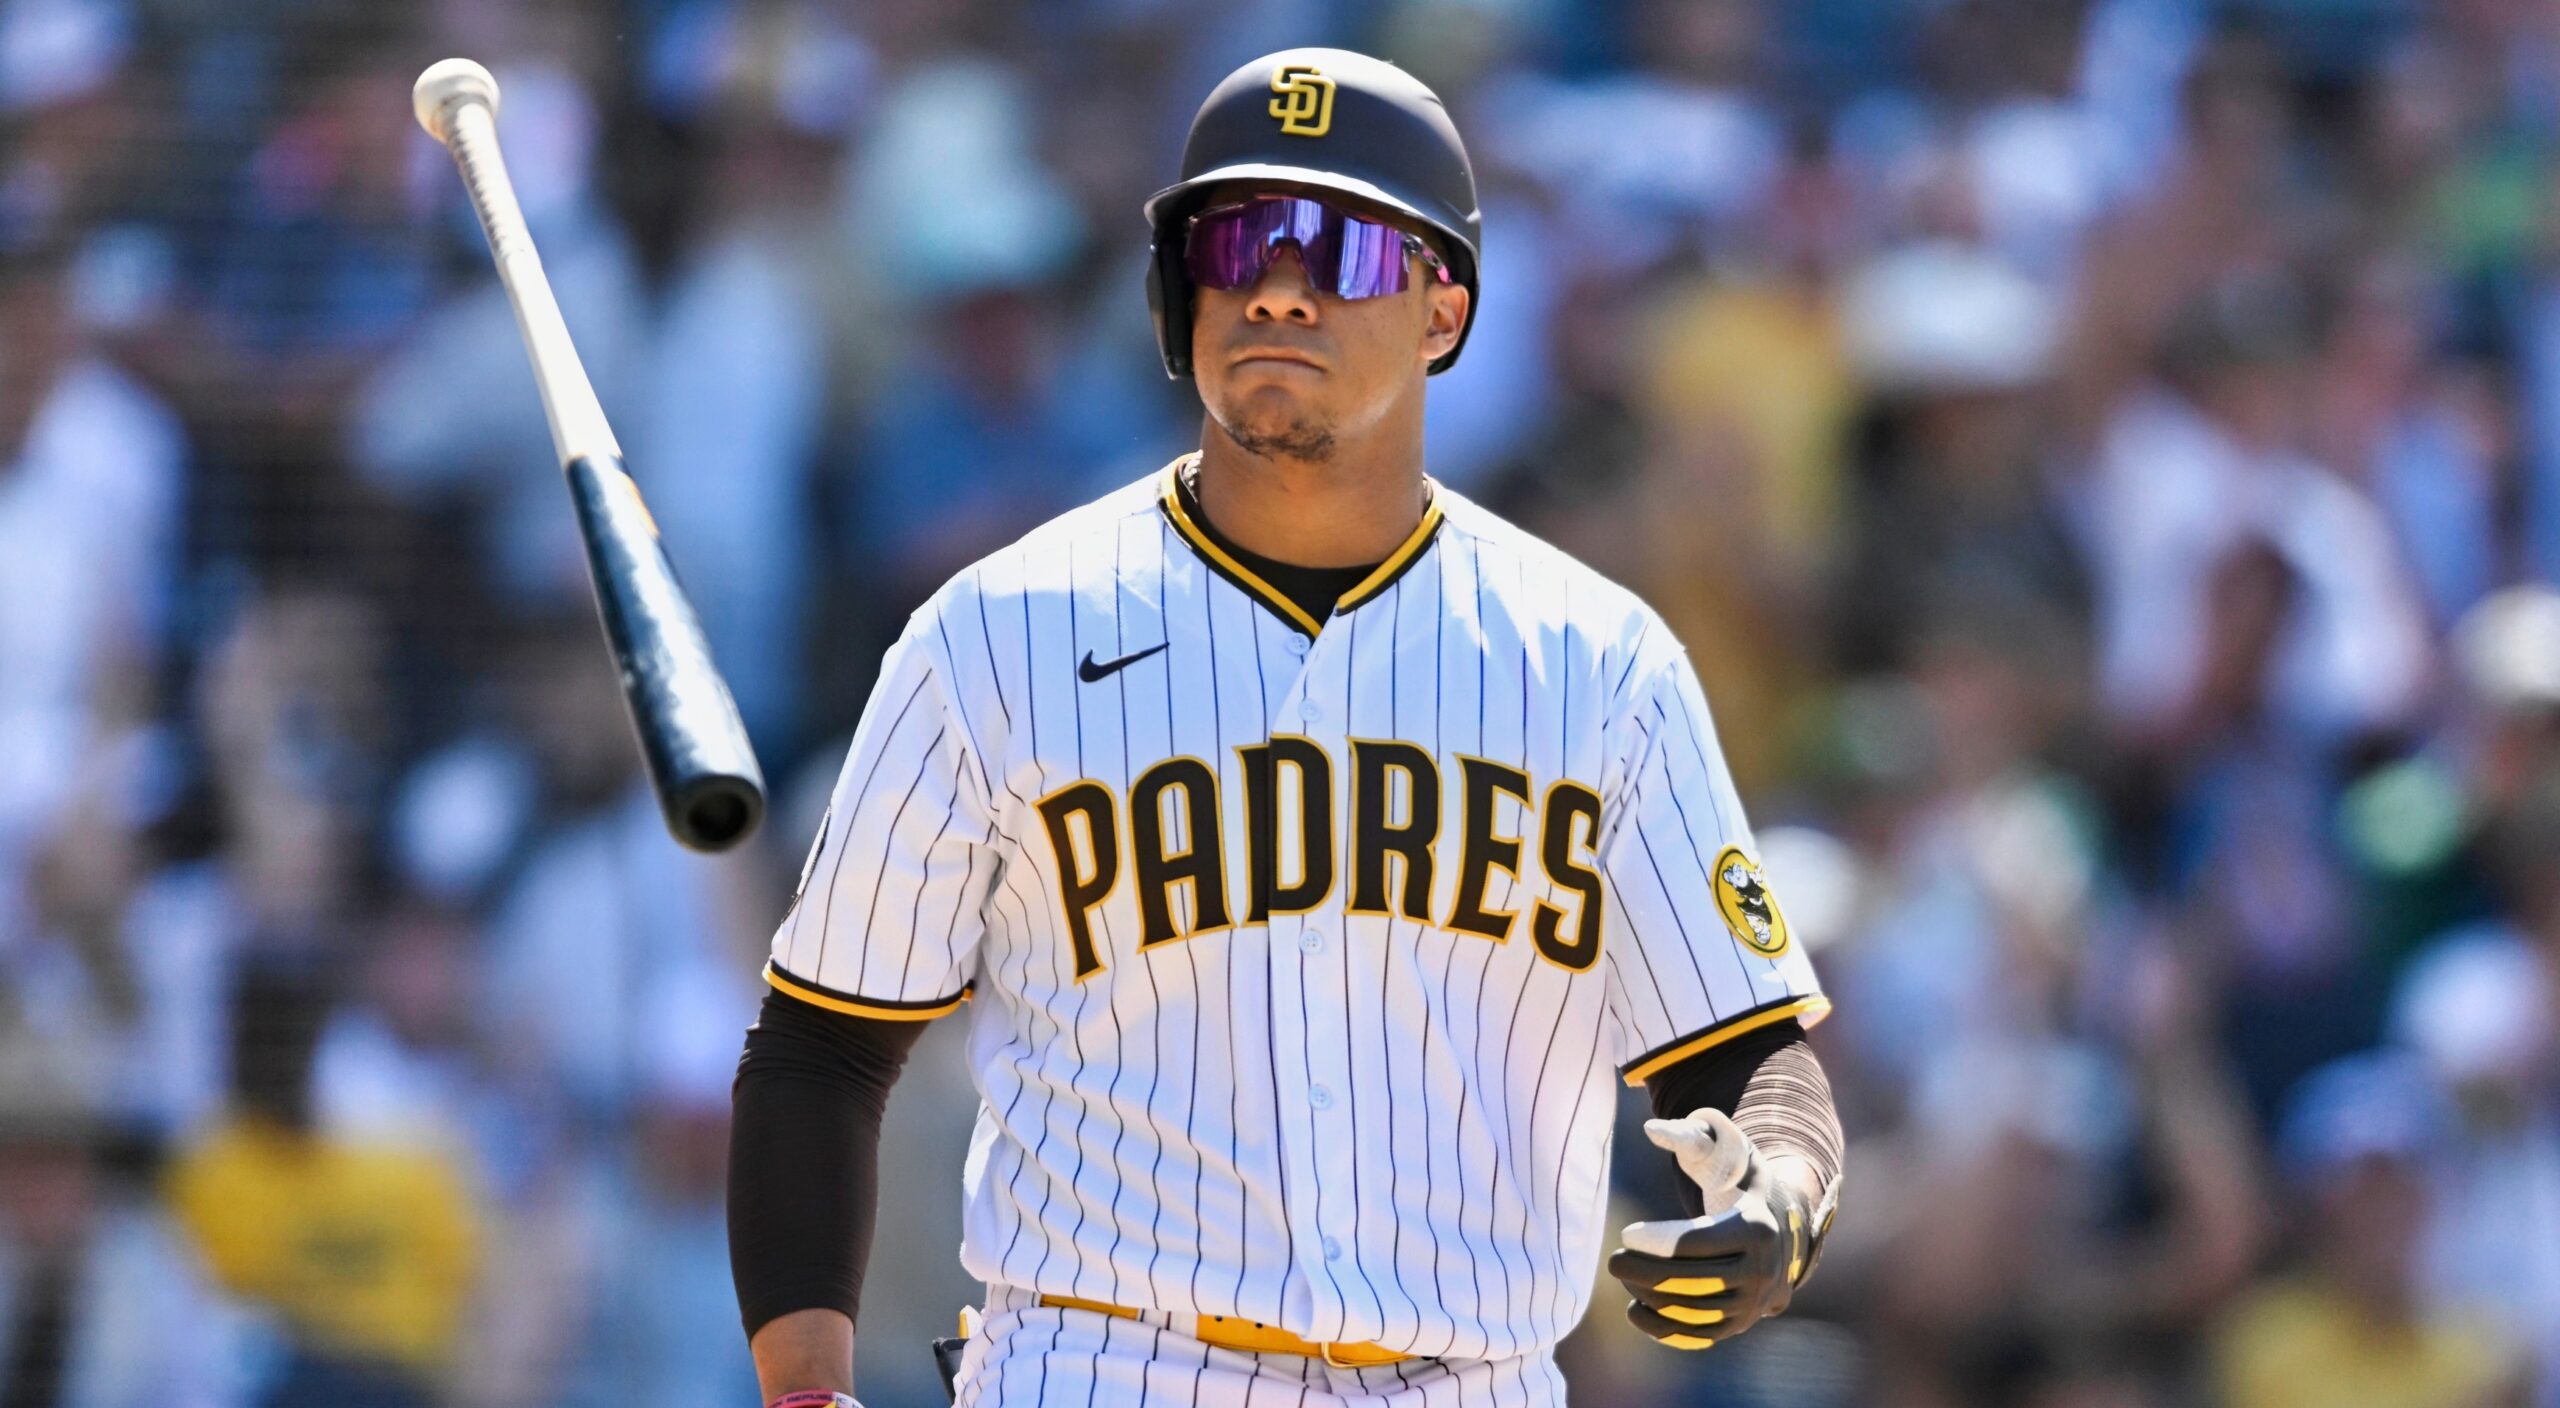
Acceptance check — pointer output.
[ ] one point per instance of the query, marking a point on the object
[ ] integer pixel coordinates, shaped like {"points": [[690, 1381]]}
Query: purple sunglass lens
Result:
{"points": [[1343, 255], [1371, 261], [1230, 248]]}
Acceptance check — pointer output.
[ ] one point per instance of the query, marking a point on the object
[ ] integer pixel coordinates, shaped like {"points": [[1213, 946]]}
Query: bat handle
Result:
{"points": [[569, 405]]}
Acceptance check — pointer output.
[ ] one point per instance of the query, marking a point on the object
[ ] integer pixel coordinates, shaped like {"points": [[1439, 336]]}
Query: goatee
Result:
{"points": [[1299, 440]]}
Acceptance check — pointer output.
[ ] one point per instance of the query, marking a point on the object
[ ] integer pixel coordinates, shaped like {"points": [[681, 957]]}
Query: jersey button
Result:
{"points": [[1297, 645], [1320, 1097], [1332, 1250], [1311, 941], [1310, 711]]}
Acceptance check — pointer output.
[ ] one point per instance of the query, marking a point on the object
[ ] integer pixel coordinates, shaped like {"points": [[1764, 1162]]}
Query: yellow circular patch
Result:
{"points": [[1750, 911]]}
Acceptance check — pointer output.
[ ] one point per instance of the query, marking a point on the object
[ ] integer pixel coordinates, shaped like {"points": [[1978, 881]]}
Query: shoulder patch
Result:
{"points": [[1750, 911]]}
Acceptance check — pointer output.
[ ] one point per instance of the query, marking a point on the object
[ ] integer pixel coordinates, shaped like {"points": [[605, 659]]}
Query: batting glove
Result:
{"points": [[814, 1398], [1705, 1279]]}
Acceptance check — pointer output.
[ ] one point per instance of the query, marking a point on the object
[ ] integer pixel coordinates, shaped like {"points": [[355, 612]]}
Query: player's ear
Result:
{"points": [[1447, 305]]}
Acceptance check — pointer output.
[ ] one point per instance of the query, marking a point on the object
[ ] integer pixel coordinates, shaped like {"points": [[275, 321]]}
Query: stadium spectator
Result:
{"points": [[364, 1254], [2348, 1328]]}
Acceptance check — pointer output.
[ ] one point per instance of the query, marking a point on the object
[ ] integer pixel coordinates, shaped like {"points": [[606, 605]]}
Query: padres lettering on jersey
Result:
{"points": [[1304, 952], [1395, 808]]}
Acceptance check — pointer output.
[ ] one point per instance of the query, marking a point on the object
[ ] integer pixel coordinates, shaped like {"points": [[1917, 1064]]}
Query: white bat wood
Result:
{"points": [[465, 121]]}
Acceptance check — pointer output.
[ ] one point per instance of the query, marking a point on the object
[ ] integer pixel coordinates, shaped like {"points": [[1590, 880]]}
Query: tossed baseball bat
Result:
{"points": [[699, 759]]}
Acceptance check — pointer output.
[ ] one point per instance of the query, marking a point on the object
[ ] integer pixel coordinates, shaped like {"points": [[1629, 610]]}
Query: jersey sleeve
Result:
{"points": [[887, 916], [1702, 952]]}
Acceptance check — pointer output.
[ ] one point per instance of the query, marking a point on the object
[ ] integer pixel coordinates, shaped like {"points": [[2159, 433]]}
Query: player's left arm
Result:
{"points": [[1761, 1207], [1712, 995]]}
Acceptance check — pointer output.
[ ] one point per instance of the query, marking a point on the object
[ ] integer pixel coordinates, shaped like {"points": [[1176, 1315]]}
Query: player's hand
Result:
{"points": [[814, 1398], [1705, 1279]]}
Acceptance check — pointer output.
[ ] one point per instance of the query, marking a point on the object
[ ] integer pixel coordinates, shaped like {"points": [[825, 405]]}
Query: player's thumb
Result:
{"points": [[1660, 1239], [1712, 1151]]}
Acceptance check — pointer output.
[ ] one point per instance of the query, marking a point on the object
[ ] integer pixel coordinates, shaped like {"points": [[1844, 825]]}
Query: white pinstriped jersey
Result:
{"points": [[1303, 953]]}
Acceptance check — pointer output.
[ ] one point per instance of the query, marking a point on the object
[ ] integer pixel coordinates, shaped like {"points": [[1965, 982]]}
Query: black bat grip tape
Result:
{"points": [[696, 746]]}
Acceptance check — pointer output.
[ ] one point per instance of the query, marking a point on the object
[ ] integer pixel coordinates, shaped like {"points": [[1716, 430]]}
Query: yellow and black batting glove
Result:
{"points": [[1703, 1280]]}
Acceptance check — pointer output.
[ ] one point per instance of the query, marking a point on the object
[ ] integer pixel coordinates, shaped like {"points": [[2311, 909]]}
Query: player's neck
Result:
{"points": [[1353, 508]]}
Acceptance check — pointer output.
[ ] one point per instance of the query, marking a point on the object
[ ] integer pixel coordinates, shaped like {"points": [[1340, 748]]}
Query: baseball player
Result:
{"points": [[1311, 852]]}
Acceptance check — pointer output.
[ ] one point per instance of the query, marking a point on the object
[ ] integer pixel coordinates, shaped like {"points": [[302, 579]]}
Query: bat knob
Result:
{"points": [[716, 812], [446, 82]]}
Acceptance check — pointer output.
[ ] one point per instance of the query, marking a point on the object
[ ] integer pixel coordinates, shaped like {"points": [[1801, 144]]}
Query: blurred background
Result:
{"points": [[2103, 456]]}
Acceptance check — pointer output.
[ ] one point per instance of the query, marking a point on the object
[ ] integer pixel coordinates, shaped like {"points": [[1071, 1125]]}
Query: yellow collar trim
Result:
{"points": [[1401, 558], [1270, 596]]}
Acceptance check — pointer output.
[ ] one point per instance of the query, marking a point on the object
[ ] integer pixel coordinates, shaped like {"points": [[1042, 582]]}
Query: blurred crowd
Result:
{"points": [[2103, 457]]}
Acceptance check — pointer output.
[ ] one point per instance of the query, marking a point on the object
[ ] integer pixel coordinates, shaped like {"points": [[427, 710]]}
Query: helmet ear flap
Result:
{"points": [[1169, 301]]}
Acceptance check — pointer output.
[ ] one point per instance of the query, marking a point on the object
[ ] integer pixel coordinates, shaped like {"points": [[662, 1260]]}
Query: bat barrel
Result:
{"points": [[696, 746]]}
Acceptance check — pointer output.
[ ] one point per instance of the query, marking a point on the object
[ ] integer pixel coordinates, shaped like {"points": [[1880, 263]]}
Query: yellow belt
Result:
{"points": [[1252, 1336]]}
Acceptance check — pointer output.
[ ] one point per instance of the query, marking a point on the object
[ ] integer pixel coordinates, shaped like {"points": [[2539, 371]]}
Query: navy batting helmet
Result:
{"points": [[1329, 120]]}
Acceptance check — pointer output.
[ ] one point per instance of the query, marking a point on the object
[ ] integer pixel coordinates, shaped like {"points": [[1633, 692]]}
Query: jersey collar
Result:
{"points": [[1407, 553]]}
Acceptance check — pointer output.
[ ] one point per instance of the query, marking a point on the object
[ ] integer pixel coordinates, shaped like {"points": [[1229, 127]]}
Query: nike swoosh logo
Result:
{"points": [[1092, 673]]}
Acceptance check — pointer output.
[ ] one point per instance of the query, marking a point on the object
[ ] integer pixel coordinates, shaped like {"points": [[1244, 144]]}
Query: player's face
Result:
{"points": [[1290, 372]]}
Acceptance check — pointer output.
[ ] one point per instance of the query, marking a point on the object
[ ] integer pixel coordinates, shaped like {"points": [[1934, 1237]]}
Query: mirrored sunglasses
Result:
{"points": [[1345, 255]]}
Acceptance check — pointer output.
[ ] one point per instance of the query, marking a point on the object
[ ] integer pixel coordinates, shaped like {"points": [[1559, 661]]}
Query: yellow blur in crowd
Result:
{"points": [[367, 1251], [2309, 1346]]}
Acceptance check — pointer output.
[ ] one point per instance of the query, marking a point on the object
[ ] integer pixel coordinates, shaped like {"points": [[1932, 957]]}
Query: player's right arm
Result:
{"points": [[804, 1347], [882, 935], [804, 1157]]}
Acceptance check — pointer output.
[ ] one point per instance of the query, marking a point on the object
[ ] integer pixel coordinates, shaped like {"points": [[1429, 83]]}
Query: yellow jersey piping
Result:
{"points": [[1812, 1009], [851, 1005]]}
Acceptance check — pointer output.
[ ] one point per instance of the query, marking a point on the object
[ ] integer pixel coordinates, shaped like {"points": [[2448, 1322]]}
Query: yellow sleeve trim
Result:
{"points": [[1811, 1009], [857, 1007]]}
